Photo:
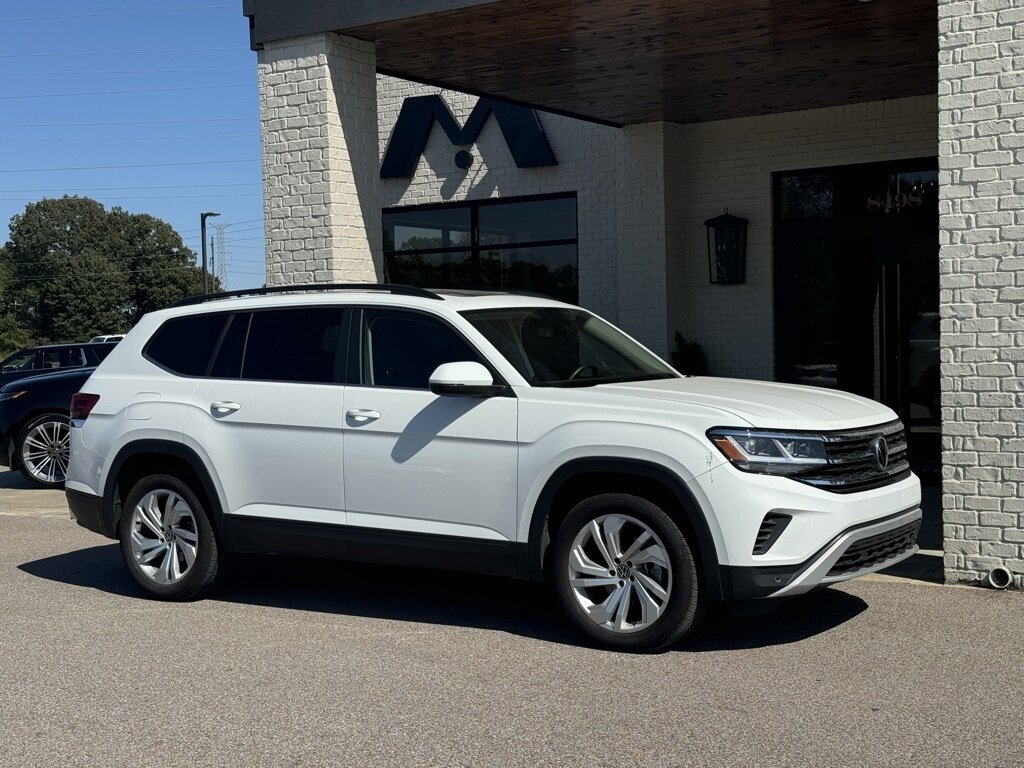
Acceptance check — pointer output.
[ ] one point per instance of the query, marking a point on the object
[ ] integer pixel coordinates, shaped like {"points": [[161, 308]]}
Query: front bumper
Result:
{"points": [[859, 550], [87, 510]]}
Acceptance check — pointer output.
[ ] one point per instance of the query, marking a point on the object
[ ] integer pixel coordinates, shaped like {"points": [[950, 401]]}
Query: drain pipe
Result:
{"points": [[1000, 578]]}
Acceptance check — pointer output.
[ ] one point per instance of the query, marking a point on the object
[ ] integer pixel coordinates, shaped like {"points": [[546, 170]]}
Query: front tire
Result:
{"points": [[626, 574], [43, 449], [167, 540]]}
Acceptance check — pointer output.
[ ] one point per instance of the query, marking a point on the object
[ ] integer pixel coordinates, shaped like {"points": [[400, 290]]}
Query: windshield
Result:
{"points": [[19, 361], [560, 347]]}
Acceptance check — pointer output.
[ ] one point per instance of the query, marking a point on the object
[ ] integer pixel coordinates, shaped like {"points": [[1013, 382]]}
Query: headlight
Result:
{"points": [[768, 452], [12, 395]]}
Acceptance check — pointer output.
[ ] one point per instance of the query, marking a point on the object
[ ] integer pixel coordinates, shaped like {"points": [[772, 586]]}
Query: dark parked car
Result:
{"points": [[28, 362], [34, 430]]}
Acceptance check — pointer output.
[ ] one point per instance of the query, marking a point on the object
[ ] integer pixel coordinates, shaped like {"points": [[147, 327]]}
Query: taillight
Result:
{"points": [[82, 405]]}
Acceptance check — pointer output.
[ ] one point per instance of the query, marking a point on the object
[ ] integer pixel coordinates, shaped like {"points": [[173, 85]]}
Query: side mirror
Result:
{"points": [[465, 378]]}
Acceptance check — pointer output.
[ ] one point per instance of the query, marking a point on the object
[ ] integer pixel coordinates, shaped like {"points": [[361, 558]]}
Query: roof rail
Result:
{"points": [[399, 290]]}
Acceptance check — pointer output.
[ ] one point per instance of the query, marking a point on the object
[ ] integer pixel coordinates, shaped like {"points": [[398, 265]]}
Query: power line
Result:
{"points": [[117, 13], [132, 138], [129, 122], [34, 73], [118, 53], [232, 224], [128, 256], [156, 197], [228, 235], [142, 165], [133, 90], [147, 186], [114, 273]]}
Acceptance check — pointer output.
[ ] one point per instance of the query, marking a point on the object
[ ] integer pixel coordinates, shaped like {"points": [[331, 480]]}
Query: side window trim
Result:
{"points": [[234, 318]]}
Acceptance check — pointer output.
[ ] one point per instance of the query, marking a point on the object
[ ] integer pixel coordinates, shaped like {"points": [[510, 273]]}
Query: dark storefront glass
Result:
{"points": [[527, 245], [857, 287]]}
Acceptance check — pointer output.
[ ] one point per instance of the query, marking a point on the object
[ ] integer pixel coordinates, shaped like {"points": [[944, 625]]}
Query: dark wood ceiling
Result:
{"points": [[632, 61]]}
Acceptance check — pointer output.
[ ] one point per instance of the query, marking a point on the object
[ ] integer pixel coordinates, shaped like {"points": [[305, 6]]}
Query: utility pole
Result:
{"points": [[220, 269], [202, 239]]}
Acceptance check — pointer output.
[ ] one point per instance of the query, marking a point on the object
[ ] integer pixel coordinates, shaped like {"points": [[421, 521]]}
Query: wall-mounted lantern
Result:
{"points": [[727, 249]]}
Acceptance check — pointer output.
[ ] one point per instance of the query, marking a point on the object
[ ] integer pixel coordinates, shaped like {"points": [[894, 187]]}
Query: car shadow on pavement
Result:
{"points": [[12, 479], [440, 597]]}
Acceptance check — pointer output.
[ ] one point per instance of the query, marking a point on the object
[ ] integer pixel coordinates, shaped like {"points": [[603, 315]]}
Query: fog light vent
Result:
{"points": [[771, 528]]}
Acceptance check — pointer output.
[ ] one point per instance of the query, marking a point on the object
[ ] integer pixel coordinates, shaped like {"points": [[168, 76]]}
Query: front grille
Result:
{"points": [[851, 460], [876, 549]]}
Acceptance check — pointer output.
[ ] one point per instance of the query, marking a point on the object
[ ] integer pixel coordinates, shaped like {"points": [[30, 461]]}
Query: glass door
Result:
{"points": [[857, 288]]}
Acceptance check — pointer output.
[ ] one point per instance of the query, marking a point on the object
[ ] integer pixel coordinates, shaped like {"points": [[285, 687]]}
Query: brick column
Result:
{"points": [[981, 162], [641, 263], [318, 130]]}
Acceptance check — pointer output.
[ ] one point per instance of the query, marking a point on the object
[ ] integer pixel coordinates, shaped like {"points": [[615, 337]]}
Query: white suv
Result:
{"points": [[492, 433]]}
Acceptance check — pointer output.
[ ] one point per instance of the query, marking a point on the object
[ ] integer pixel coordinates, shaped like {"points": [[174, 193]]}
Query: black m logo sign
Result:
{"points": [[520, 126]]}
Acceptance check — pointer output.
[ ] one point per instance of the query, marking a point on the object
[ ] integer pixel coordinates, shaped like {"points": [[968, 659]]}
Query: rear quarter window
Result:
{"points": [[184, 345]]}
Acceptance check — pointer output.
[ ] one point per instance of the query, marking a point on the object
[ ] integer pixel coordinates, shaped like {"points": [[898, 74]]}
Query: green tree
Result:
{"points": [[13, 336], [160, 269], [75, 270]]}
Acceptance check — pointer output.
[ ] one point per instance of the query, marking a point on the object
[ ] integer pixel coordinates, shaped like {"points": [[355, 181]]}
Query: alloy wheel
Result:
{"points": [[46, 450], [163, 536], [620, 574]]}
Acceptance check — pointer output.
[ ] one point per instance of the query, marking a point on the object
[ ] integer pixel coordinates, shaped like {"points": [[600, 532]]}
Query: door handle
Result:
{"points": [[223, 408], [362, 415]]}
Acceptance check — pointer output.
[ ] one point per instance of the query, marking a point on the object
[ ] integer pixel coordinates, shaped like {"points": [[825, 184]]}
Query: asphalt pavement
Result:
{"points": [[320, 663]]}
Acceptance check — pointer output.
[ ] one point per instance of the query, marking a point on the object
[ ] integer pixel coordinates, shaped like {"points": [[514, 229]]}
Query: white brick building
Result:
{"points": [[876, 155]]}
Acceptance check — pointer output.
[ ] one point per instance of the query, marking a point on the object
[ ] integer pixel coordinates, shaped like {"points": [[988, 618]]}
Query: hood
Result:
{"points": [[764, 404], [60, 376]]}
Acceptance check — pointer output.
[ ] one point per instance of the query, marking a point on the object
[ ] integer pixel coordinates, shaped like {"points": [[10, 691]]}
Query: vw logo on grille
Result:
{"points": [[880, 451]]}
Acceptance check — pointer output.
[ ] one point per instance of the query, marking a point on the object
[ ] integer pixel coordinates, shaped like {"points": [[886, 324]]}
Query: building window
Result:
{"points": [[509, 244]]}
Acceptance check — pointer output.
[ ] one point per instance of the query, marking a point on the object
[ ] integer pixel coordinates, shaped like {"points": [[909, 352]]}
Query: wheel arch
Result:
{"points": [[580, 478], [153, 456]]}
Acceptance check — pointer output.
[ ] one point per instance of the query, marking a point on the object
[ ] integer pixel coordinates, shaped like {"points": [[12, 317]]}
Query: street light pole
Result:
{"points": [[202, 229]]}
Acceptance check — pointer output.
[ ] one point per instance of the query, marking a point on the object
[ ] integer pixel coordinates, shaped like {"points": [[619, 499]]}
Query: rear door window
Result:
{"points": [[303, 345], [97, 353]]}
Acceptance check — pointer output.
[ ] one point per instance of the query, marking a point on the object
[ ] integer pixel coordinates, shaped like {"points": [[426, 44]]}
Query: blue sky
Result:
{"points": [[196, 149]]}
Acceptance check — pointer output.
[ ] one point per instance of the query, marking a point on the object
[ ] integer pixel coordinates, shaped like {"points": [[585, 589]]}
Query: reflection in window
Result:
{"points": [[295, 345], [806, 196], [555, 347], [402, 349], [525, 245]]}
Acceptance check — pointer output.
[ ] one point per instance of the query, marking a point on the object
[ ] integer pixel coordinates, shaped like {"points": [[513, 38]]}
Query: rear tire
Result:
{"points": [[167, 540], [626, 573], [42, 450]]}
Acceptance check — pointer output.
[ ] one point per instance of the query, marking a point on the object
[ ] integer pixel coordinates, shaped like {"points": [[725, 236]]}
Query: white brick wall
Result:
{"points": [[320, 188], [981, 210], [641, 180], [729, 164]]}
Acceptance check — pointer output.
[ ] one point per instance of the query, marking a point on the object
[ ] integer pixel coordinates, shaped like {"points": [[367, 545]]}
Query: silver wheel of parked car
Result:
{"points": [[164, 536], [45, 450], [620, 573]]}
